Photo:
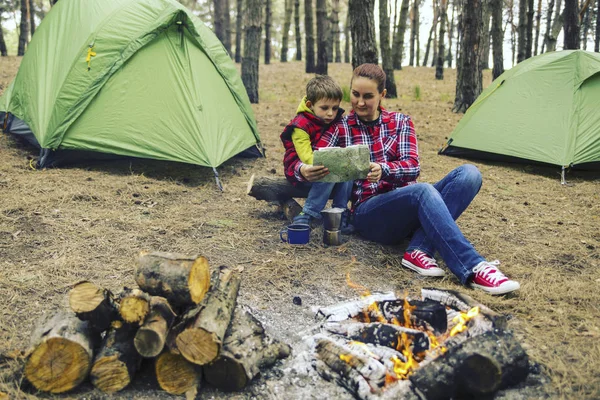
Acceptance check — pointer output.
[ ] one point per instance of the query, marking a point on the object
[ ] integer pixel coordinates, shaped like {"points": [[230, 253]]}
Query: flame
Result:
{"points": [[347, 358], [407, 312], [357, 286], [462, 319], [374, 309]]}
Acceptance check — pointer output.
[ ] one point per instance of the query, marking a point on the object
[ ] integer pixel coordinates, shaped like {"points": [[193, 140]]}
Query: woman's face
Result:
{"points": [[365, 98]]}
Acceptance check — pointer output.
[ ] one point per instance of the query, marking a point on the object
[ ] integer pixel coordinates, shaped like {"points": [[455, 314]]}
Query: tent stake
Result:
{"points": [[563, 181], [217, 179]]}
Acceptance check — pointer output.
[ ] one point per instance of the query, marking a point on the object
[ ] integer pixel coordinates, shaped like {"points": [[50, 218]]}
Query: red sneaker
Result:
{"points": [[489, 278], [421, 263]]}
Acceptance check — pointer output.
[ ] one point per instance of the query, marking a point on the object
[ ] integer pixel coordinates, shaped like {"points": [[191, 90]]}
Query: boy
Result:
{"points": [[316, 112]]}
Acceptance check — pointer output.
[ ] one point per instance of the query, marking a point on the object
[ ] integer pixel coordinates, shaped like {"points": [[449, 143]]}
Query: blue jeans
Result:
{"points": [[319, 194], [430, 212]]}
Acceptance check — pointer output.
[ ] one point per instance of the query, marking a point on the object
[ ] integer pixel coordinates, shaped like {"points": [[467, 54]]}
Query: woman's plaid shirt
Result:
{"points": [[393, 144]]}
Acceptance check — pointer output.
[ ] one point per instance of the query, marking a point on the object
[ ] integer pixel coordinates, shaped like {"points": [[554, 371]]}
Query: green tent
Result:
{"points": [[546, 109], [140, 78]]}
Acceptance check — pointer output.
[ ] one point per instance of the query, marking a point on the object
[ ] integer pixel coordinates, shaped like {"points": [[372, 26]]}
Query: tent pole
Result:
{"points": [[217, 179], [563, 180]]}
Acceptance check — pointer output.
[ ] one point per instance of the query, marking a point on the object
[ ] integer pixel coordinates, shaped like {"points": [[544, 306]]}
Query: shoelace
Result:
{"points": [[489, 272], [424, 259]]}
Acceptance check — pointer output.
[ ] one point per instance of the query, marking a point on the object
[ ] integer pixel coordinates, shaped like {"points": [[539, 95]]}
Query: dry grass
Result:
{"points": [[88, 222]]}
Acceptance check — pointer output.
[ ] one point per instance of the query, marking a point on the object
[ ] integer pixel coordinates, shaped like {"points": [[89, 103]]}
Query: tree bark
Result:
{"points": [[246, 349], [469, 77], [432, 33], [227, 23], [200, 333], [529, 44], [181, 279], [219, 20], [485, 36], [3, 51], [522, 36], [364, 43], [32, 17], [310, 36], [238, 31], [117, 360], [268, 18], [23, 28], [298, 36], [151, 337], [557, 26], [335, 31], [450, 36], [61, 352], [386, 51], [347, 36], [571, 24], [252, 36], [497, 38], [90, 303], [414, 34], [584, 13], [439, 61], [538, 17], [475, 368], [597, 39], [285, 33], [175, 374], [322, 37]]}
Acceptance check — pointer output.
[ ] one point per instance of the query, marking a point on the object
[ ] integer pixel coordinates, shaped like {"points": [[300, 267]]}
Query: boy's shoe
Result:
{"points": [[421, 263], [489, 278], [346, 226], [302, 218]]}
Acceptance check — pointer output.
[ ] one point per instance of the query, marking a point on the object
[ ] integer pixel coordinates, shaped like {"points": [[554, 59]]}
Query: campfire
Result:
{"points": [[442, 345]]}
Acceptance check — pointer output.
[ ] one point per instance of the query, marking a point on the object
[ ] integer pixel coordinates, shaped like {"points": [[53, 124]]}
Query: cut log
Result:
{"points": [[117, 360], [290, 209], [93, 304], [427, 314], [182, 280], [477, 367], [151, 337], [61, 352], [351, 309], [201, 339], [134, 306], [381, 334], [246, 349], [175, 374], [275, 189]]}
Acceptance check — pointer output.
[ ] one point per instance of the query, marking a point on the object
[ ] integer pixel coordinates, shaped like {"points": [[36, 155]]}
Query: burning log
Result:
{"points": [[351, 309], [61, 352], [90, 303], [479, 366], [424, 314], [134, 306], [246, 349], [382, 334], [201, 331], [117, 360], [175, 374], [182, 280], [150, 338]]}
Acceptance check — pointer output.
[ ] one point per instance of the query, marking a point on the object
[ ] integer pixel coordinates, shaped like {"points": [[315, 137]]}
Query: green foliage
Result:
{"points": [[346, 92], [446, 98], [417, 92]]}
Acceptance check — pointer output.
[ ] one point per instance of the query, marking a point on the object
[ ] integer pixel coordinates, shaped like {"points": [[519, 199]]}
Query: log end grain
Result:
{"points": [[175, 374], [57, 365], [226, 374], [198, 345], [199, 279], [85, 297], [148, 342], [133, 310], [479, 374], [110, 374]]}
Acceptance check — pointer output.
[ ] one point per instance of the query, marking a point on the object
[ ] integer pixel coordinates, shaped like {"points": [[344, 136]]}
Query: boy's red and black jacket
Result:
{"points": [[314, 127]]}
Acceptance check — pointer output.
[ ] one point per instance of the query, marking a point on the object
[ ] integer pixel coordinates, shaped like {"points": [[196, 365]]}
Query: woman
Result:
{"points": [[390, 205]]}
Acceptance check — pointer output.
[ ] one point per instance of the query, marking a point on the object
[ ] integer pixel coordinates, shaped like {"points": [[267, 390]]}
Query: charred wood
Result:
{"points": [[175, 374], [351, 309], [61, 352], [182, 280], [246, 349], [425, 314], [93, 304], [151, 337]]}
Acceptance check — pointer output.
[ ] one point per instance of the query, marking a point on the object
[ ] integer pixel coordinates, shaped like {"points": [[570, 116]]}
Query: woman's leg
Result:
{"points": [[458, 189], [390, 217]]}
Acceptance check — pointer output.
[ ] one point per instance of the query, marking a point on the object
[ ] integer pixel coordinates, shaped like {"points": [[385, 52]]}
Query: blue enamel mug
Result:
{"points": [[295, 234]]}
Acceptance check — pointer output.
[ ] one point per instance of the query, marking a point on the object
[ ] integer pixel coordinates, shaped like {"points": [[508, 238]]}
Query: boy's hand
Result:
{"points": [[375, 172], [313, 172]]}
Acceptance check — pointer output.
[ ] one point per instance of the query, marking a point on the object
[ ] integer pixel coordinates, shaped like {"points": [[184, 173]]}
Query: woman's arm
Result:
{"points": [[403, 166]]}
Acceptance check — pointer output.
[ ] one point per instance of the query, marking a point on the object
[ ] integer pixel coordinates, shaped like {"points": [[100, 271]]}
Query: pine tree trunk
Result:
{"points": [[468, 81], [597, 39], [485, 36], [32, 17], [330, 35], [522, 37], [364, 43], [585, 24], [253, 28], [439, 60], [513, 31], [238, 31], [219, 20], [386, 52], [571, 24], [431, 31], [3, 52], [557, 26], [548, 24], [322, 37], [285, 34], [297, 30], [347, 36], [23, 27], [227, 25], [538, 17], [398, 42], [497, 38], [310, 36], [529, 44], [335, 24], [268, 18], [414, 34], [450, 36]]}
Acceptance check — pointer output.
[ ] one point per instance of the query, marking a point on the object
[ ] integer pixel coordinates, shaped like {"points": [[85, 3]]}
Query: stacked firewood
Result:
{"points": [[183, 317]]}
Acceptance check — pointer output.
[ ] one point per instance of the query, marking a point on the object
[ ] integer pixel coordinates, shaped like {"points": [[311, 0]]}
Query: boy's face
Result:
{"points": [[326, 109]]}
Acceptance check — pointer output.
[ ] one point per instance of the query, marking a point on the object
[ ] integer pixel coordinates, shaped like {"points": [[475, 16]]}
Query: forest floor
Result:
{"points": [[88, 222]]}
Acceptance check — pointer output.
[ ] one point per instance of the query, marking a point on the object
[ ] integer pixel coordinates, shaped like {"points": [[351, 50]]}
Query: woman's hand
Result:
{"points": [[374, 174], [313, 172]]}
